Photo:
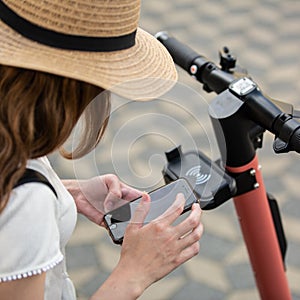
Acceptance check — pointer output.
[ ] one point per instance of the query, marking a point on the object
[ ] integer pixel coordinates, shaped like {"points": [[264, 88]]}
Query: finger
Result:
{"points": [[129, 193], [192, 237], [113, 185], [188, 252], [114, 193], [192, 221], [112, 202], [89, 211], [174, 211], [141, 211]]}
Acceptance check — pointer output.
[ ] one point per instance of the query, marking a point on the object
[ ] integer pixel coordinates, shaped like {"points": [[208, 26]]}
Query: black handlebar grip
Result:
{"points": [[181, 53], [295, 140]]}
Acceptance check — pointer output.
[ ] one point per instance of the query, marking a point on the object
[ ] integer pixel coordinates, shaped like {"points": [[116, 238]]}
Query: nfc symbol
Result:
{"points": [[195, 172]]}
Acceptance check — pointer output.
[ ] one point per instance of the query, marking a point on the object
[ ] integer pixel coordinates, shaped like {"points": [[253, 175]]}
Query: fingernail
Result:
{"points": [[109, 205], [145, 197]]}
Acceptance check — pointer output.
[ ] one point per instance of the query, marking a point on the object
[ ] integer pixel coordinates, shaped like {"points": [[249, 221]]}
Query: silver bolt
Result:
{"points": [[256, 185], [252, 172]]}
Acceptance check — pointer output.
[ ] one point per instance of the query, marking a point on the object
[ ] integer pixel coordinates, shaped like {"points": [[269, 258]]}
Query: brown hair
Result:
{"points": [[38, 112]]}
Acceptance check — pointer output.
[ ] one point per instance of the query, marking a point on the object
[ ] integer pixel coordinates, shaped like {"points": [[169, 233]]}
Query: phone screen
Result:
{"points": [[161, 199]]}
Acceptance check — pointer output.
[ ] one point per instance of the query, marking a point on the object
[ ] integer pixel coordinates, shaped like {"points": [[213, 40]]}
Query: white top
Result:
{"points": [[34, 229]]}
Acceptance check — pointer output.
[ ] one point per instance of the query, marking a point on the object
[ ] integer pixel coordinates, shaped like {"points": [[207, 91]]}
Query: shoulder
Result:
{"points": [[29, 232], [33, 199]]}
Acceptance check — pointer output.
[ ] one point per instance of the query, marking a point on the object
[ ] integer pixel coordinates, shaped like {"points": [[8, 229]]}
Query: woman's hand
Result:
{"points": [[150, 252], [98, 195], [154, 250]]}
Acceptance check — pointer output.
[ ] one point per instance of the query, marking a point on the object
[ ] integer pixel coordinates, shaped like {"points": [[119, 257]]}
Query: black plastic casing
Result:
{"points": [[209, 181]]}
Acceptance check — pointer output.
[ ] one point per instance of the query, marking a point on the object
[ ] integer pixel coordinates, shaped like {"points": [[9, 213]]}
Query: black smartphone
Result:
{"points": [[161, 199]]}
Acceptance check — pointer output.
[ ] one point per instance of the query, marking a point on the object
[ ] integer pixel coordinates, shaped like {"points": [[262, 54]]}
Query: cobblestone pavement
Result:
{"points": [[264, 34]]}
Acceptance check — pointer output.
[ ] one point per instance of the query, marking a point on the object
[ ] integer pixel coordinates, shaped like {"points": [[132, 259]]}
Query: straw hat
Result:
{"points": [[96, 41]]}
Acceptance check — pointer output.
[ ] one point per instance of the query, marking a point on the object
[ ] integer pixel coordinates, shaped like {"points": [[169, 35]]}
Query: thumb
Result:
{"points": [[141, 211]]}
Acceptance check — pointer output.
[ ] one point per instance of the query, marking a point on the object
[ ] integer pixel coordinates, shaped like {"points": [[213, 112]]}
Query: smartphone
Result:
{"points": [[161, 199]]}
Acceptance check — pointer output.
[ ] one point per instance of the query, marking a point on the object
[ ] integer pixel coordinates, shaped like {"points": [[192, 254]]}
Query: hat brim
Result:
{"points": [[142, 72]]}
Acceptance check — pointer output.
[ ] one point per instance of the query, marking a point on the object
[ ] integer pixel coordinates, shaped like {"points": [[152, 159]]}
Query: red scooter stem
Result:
{"points": [[259, 233]]}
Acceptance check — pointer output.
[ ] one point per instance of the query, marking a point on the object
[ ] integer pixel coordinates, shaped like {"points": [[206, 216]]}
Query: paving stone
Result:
{"points": [[82, 276], [240, 276], [216, 248], [165, 289], [108, 255], [293, 253], [80, 236], [275, 185], [81, 256], [293, 275], [238, 255], [199, 269], [295, 297], [246, 294], [292, 207], [221, 225], [292, 226], [196, 291], [92, 284]]}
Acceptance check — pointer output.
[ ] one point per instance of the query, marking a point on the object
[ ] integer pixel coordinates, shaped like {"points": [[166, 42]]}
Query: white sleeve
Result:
{"points": [[29, 235]]}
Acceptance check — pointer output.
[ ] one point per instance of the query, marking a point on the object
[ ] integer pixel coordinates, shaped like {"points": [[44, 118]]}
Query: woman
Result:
{"points": [[55, 58]]}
